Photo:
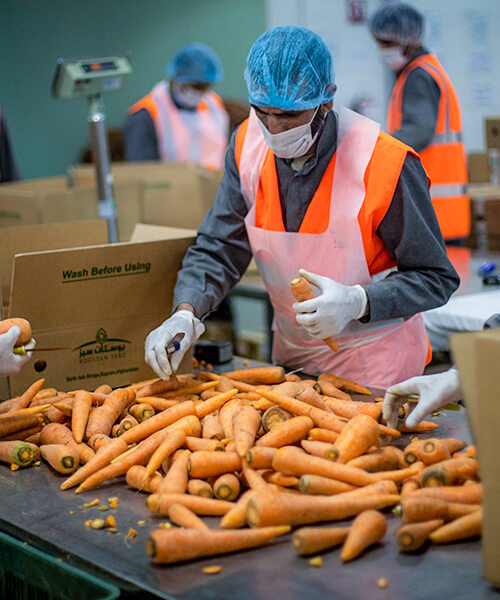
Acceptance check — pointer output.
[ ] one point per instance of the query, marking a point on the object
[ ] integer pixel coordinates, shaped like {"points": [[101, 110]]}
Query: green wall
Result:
{"points": [[49, 134]]}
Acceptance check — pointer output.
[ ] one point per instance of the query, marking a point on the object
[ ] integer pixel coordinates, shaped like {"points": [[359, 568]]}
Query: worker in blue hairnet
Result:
{"points": [[424, 112], [181, 119], [312, 188]]}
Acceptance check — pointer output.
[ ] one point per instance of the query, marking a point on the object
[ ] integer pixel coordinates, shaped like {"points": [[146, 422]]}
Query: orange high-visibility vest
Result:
{"points": [[444, 159], [193, 137]]}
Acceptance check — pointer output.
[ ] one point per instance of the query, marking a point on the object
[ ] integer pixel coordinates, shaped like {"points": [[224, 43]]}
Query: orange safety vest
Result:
{"points": [[381, 178], [194, 137], [444, 159]]}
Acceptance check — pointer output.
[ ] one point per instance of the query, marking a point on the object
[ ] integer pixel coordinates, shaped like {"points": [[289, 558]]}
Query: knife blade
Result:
{"points": [[22, 350]]}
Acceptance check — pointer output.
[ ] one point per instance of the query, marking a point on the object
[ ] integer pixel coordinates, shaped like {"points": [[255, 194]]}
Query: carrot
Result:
{"points": [[319, 485], [253, 479], [33, 438], [436, 450], [310, 396], [286, 433], [227, 383], [24, 434], [321, 449], [182, 516], [361, 432], [176, 479], [62, 458], [258, 375], [310, 540], [212, 404], [65, 406], [237, 516], [103, 457], [267, 508], [246, 423], [449, 472], [177, 545], [187, 390], [328, 389], [289, 388], [227, 487], [367, 529], [212, 428], [190, 425], [422, 427], [141, 411], [199, 487], [414, 508], [195, 443], [16, 452], [344, 384], [226, 413], [413, 536], [128, 422], [54, 415], [80, 414], [302, 291], [172, 442], [98, 440], [379, 487], [469, 494], [24, 326], [102, 418], [280, 479], [160, 503], [350, 408], [134, 478], [384, 459], [292, 461], [396, 475], [54, 399], [85, 452], [460, 529], [260, 457], [316, 434], [31, 410], [159, 421], [24, 400], [157, 386], [210, 464], [408, 487], [13, 424], [158, 403]]}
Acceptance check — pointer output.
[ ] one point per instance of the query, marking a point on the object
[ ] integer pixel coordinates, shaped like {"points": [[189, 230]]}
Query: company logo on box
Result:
{"points": [[102, 348]]}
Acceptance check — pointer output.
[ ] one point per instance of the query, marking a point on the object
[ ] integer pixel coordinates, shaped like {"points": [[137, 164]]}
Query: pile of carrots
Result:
{"points": [[265, 451]]}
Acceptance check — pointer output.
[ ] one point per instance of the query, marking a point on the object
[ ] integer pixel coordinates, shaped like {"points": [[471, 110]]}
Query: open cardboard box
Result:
{"points": [[477, 356], [99, 302]]}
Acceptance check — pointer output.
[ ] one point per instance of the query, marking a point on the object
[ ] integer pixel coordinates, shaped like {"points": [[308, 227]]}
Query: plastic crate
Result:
{"points": [[29, 574]]}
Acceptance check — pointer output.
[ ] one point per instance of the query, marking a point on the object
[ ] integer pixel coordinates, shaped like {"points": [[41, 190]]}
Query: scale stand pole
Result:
{"points": [[99, 145]]}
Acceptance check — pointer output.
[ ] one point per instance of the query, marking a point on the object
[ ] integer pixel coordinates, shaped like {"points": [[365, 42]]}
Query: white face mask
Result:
{"points": [[187, 97], [291, 143], [393, 58]]}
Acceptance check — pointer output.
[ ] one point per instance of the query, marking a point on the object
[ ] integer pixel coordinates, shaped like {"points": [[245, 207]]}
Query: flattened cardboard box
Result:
{"points": [[477, 356], [100, 302]]}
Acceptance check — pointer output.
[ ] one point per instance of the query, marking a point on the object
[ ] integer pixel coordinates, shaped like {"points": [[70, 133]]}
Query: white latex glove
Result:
{"points": [[10, 363], [329, 313], [182, 324], [434, 390]]}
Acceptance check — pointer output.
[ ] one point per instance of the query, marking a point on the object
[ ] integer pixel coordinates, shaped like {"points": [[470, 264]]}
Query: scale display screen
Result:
{"points": [[92, 67]]}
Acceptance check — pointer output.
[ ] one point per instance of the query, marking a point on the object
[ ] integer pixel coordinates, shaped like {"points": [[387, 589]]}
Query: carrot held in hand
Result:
{"points": [[63, 458], [413, 536], [176, 545], [183, 517], [16, 453], [310, 540], [302, 291], [367, 529]]}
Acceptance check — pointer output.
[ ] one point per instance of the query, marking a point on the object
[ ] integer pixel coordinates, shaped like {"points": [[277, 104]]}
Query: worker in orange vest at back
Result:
{"points": [[181, 119], [425, 114]]}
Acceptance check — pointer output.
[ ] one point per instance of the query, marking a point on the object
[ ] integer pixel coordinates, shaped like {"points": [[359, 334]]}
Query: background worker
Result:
{"points": [[10, 363], [367, 236], [424, 113], [181, 119], [8, 166]]}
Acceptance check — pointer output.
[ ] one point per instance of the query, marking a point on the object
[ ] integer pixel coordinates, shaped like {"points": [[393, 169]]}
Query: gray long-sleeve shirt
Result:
{"points": [[425, 278], [419, 108]]}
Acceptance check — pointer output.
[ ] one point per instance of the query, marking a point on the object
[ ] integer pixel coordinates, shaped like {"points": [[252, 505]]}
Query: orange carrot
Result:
{"points": [[16, 452], [302, 291], [350, 408], [311, 540], [65, 406], [422, 427], [384, 459], [141, 411], [321, 449], [24, 400], [209, 406], [367, 529], [128, 422], [408, 487], [292, 461], [246, 423], [253, 479], [449, 472], [170, 444], [182, 516], [98, 440], [310, 396], [160, 503], [226, 413], [64, 459], [280, 479], [176, 479], [134, 478], [274, 416], [361, 432], [80, 414], [212, 428], [328, 389], [195, 443], [413, 536], [158, 403], [53, 415], [237, 516], [415, 508], [319, 485], [286, 433], [460, 529], [435, 450], [177, 545], [379, 487], [13, 424], [194, 388], [190, 425], [102, 418], [344, 384], [316, 434], [24, 326], [227, 383], [396, 475], [32, 435], [199, 487], [267, 508], [258, 375], [260, 457], [469, 494], [227, 487], [157, 386], [210, 464]]}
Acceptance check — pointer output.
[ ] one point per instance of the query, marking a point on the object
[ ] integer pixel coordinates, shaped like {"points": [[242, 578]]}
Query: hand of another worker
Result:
{"points": [[329, 313], [182, 326], [10, 363], [434, 390]]}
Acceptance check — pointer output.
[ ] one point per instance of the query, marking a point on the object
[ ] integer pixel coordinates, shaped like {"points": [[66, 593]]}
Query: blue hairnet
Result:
{"points": [[196, 63], [398, 22], [289, 68]]}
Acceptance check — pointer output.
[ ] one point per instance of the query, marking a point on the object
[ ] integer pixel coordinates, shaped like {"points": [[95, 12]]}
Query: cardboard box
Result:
{"points": [[100, 302], [478, 167], [477, 356], [492, 129]]}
